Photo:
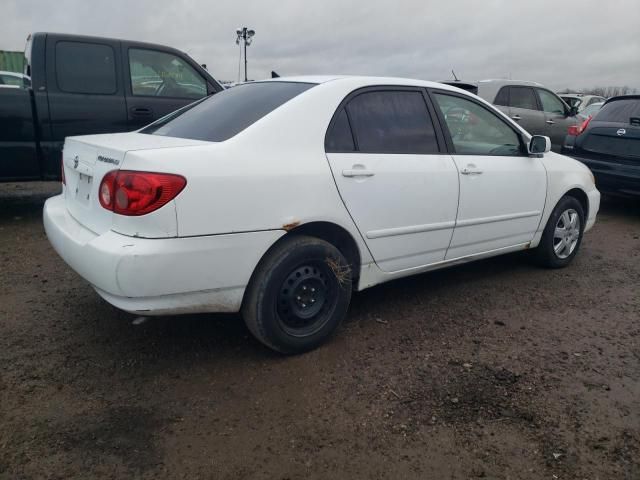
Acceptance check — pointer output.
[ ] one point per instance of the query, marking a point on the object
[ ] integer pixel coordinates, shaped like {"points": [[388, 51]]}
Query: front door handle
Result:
{"points": [[517, 118], [550, 122], [357, 170]]}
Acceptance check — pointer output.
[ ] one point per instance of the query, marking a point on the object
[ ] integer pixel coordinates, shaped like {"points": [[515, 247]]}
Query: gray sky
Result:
{"points": [[559, 43]]}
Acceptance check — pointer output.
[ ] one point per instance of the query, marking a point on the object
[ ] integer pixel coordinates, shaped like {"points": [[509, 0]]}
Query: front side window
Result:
{"points": [[159, 74], [227, 113], [475, 130], [85, 68], [392, 122], [523, 97], [551, 103]]}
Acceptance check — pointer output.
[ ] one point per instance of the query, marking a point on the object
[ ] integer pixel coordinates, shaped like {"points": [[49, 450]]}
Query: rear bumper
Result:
{"points": [[614, 177], [159, 276]]}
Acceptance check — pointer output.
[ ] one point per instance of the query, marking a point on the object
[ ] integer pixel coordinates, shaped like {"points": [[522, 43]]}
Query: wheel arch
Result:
{"points": [[582, 197], [330, 232]]}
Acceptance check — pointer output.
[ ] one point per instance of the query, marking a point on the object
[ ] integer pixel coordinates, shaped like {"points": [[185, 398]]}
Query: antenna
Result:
{"points": [[454, 76]]}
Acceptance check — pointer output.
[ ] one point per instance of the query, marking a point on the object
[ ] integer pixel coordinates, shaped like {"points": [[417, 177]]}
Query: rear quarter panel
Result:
{"points": [[272, 176]]}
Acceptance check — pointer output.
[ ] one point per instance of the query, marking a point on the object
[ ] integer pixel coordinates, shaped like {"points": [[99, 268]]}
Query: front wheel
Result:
{"points": [[298, 295], [562, 236]]}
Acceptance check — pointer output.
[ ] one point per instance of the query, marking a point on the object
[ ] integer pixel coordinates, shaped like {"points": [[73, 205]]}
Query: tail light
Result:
{"points": [[575, 130], [137, 193]]}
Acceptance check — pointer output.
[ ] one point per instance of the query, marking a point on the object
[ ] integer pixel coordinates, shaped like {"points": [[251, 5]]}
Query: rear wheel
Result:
{"points": [[298, 294], [562, 236]]}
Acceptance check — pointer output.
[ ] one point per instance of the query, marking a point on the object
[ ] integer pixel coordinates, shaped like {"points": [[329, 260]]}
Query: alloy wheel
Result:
{"points": [[566, 234]]}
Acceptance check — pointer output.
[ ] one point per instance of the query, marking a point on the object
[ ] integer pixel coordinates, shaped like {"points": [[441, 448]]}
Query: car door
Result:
{"points": [[557, 118], [502, 190], [157, 83], [524, 109], [394, 175]]}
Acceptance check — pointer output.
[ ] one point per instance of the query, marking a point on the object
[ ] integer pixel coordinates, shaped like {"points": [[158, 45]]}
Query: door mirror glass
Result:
{"points": [[539, 145]]}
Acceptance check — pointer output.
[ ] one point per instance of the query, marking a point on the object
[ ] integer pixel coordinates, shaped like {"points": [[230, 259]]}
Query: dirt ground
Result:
{"points": [[496, 370]]}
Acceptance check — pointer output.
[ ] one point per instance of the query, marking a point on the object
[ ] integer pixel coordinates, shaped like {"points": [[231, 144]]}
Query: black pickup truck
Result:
{"points": [[85, 85]]}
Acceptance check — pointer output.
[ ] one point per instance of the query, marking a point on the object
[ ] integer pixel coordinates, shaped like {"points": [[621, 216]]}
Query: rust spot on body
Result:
{"points": [[291, 225]]}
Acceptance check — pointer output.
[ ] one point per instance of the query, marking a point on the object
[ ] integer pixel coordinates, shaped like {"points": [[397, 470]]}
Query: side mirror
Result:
{"points": [[539, 145]]}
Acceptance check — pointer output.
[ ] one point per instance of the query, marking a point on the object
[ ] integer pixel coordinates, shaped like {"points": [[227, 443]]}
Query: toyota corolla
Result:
{"points": [[279, 199]]}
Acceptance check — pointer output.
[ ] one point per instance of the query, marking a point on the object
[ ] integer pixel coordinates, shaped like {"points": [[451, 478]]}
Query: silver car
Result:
{"points": [[536, 108], [580, 100]]}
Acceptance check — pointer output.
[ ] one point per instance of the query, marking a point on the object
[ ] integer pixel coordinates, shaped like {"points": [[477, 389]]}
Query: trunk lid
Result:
{"points": [[87, 159]]}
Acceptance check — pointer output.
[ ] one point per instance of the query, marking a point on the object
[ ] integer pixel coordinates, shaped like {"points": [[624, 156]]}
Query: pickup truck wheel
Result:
{"points": [[298, 295], [562, 236]]}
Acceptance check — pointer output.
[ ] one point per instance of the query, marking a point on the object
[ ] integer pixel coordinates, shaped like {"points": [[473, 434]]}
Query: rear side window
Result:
{"points": [[85, 68], [339, 138], [392, 122], [523, 97], [622, 111], [227, 113], [503, 97]]}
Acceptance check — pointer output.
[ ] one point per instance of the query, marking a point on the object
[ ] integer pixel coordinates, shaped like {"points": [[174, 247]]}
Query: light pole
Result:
{"points": [[246, 36]]}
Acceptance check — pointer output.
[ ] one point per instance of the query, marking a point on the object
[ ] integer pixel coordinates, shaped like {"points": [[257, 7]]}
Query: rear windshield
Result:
{"points": [[227, 113], [621, 111]]}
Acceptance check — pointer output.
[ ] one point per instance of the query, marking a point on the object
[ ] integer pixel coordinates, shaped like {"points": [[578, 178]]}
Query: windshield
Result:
{"points": [[227, 113], [622, 111]]}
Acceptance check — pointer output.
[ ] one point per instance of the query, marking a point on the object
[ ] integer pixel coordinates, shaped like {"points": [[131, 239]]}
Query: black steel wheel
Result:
{"points": [[298, 295]]}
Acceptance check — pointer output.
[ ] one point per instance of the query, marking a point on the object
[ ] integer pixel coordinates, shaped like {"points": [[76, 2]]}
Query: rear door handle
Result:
{"points": [[470, 170], [550, 122], [357, 172], [517, 118], [141, 111]]}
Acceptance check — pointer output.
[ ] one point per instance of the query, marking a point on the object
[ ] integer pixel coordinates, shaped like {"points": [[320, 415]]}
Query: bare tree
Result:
{"points": [[606, 92]]}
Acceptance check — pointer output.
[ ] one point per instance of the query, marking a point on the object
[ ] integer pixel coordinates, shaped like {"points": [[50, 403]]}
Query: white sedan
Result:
{"points": [[280, 198]]}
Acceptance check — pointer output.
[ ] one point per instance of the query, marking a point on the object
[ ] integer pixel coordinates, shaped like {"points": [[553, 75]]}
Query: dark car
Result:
{"points": [[609, 144], [78, 85]]}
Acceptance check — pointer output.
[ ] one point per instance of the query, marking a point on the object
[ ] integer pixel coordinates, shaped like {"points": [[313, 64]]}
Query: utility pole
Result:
{"points": [[245, 35]]}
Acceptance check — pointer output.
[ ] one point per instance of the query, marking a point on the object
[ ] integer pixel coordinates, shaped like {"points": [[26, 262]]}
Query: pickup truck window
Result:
{"points": [[85, 68], [160, 74]]}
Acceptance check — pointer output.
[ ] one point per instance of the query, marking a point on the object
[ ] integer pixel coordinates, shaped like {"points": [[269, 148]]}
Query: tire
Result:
{"points": [[298, 294], [558, 248]]}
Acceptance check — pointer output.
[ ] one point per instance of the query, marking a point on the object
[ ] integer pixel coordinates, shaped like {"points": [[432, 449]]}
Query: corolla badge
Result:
{"points": [[621, 132], [76, 161]]}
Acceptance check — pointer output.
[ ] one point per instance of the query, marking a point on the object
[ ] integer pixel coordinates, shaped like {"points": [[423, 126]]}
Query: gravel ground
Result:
{"points": [[496, 369]]}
